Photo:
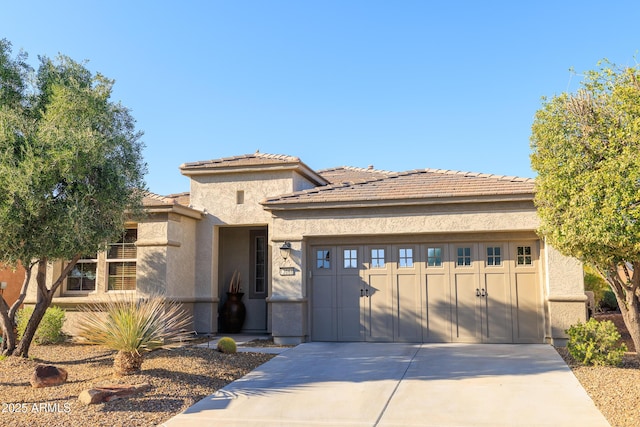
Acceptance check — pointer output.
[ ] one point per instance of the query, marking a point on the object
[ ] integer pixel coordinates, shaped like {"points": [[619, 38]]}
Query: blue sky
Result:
{"points": [[395, 84]]}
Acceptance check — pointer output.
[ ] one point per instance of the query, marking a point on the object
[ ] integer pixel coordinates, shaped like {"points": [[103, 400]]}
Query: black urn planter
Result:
{"points": [[233, 313]]}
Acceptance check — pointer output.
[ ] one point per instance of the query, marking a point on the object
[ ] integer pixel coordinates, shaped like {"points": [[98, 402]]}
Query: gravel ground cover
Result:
{"points": [[181, 377], [614, 390]]}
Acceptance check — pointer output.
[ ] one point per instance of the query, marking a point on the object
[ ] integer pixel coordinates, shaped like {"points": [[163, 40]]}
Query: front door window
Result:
{"points": [[258, 264]]}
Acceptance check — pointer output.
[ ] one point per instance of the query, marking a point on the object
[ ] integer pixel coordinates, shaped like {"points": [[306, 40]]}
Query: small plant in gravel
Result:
{"points": [[132, 327], [50, 329], [226, 345], [595, 343]]}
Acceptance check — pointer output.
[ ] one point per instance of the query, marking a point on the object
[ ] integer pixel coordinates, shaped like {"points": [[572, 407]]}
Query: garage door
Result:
{"points": [[430, 292]]}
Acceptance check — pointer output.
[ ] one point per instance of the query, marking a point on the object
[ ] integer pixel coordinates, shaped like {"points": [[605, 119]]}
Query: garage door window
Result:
{"points": [[350, 258], [377, 258], [524, 255], [464, 257], [406, 258], [434, 257], [494, 256], [323, 258]]}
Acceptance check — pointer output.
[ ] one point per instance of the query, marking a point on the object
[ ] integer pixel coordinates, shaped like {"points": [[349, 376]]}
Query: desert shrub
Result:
{"points": [[595, 343], [609, 301], [50, 329], [227, 345], [133, 326]]}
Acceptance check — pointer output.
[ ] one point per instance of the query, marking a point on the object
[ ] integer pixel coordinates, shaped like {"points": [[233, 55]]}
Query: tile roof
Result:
{"points": [[349, 174], [252, 163], [178, 203], [255, 159], [153, 199], [415, 185], [181, 198]]}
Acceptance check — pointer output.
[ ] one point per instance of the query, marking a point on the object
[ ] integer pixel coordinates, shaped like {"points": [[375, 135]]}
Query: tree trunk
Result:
{"points": [[624, 282], [43, 302], [631, 316], [8, 337], [8, 315], [127, 363], [45, 295]]}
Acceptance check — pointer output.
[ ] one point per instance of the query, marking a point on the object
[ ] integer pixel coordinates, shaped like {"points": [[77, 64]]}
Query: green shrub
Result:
{"points": [[50, 329], [226, 345], [609, 301], [595, 343]]}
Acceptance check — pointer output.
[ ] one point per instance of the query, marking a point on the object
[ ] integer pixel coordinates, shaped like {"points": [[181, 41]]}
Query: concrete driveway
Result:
{"points": [[379, 384]]}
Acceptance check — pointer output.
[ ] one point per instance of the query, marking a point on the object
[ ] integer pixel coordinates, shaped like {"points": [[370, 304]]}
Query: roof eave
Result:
{"points": [[177, 209], [431, 201], [300, 167]]}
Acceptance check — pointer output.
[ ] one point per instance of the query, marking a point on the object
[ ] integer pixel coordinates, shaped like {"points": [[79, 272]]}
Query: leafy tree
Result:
{"points": [[585, 149], [71, 169]]}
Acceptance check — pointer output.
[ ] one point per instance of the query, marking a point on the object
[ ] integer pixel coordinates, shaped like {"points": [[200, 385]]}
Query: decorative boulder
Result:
{"points": [[48, 376], [110, 392]]}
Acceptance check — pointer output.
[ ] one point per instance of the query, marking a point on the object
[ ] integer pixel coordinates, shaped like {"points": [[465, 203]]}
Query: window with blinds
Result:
{"points": [[121, 262]]}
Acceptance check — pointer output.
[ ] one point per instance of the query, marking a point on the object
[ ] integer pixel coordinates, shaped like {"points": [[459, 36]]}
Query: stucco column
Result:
{"points": [[288, 300], [565, 294]]}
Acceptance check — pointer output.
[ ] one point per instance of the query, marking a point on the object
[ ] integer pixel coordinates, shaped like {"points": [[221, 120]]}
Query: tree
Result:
{"points": [[585, 149], [71, 170]]}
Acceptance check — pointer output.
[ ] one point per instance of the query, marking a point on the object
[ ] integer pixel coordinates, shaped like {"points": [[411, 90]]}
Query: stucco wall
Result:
{"points": [[181, 257], [217, 194], [428, 219], [564, 286], [151, 265]]}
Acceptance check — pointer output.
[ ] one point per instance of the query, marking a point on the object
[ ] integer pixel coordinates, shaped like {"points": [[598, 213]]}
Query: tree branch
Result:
{"points": [[65, 272]]}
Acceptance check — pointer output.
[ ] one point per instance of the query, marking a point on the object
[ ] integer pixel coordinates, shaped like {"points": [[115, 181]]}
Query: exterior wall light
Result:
{"points": [[285, 250]]}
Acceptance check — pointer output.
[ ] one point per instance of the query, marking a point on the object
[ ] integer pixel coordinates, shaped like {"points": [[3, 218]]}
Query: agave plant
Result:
{"points": [[132, 327]]}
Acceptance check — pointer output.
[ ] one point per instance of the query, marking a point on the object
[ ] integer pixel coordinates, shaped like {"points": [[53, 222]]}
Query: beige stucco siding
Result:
{"points": [[218, 195], [564, 286], [451, 219]]}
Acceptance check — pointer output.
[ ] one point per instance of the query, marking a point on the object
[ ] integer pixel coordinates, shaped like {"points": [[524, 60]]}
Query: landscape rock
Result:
{"points": [[110, 392], [48, 376]]}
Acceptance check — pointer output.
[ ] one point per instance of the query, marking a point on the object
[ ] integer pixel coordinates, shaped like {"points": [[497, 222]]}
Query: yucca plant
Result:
{"points": [[133, 326]]}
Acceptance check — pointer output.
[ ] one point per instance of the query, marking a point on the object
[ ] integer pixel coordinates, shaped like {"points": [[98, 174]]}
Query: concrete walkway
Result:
{"points": [[385, 385]]}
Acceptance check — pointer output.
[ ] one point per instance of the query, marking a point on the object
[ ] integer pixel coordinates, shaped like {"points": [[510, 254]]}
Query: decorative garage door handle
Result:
{"points": [[477, 292], [484, 293], [481, 294]]}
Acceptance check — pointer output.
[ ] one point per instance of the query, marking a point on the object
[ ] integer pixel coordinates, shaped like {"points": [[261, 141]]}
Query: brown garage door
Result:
{"points": [[428, 292]]}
